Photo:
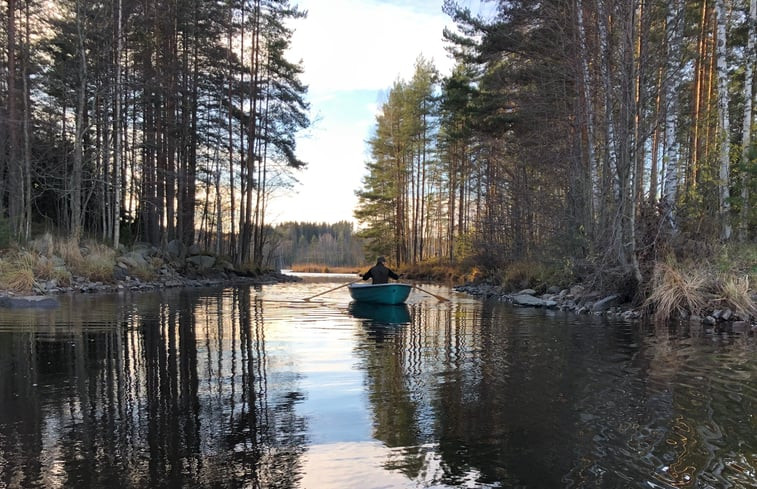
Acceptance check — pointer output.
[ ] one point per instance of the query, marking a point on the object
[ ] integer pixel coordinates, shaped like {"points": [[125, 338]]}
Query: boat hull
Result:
{"points": [[393, 293]]}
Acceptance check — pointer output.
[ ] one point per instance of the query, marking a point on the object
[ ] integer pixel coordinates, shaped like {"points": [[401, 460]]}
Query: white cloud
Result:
{"points": [[361, 45], [352, 52]]}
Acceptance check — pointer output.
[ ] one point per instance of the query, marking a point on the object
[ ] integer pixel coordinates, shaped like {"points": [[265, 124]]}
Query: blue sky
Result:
{"points": [[352, 52]]}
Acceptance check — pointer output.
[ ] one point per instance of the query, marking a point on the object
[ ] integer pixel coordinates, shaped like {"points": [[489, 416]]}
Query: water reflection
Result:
{"points": [[253, 387]]}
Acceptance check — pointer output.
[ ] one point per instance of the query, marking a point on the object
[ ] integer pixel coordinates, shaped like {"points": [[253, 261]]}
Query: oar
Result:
{"points": [[330, 290], [438, 297]]}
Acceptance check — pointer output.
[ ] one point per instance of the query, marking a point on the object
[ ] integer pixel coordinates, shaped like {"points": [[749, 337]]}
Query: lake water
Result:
{"points": [[254, 387]]}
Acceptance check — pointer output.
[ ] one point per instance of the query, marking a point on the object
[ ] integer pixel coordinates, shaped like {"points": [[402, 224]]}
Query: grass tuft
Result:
{"points": [[734, 293], [676, 292], [17, 272]]}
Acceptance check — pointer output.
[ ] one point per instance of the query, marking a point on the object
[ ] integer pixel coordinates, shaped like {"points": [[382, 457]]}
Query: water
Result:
{"points": [[257, 388]]}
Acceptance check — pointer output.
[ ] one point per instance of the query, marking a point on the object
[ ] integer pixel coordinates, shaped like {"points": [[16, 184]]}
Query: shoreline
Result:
{"points": [[580, 301]]}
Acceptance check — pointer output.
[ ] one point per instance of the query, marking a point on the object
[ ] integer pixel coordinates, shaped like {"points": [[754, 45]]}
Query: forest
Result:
{"points": [[147, 120], [586, 140], [330, 245], [595, 140]]}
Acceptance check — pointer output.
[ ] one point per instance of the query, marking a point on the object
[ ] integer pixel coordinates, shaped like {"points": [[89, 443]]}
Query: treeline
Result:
{"points": [[609, 132], [333, 245], [147, 120]]}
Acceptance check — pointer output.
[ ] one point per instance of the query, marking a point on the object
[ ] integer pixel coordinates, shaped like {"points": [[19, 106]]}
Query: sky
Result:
{"points": [[352, 52]]}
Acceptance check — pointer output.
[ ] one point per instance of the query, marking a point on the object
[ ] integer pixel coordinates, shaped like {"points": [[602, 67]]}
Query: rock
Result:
{"points": [[225, 265], [176, 250], [553, 290], [629, 315], [133, 259], [740, 326], [29, 302], [194, 250], [531, 301], [527, 292], [606, 303], [119, 272], [202, 261], [726, 315], [709, 320]]}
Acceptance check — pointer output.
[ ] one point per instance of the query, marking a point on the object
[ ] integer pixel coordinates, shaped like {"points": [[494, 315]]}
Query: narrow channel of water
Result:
{"points": [[255, 387]]}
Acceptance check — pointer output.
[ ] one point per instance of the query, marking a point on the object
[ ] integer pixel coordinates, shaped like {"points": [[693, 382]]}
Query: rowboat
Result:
{"points": [[394, 293]]}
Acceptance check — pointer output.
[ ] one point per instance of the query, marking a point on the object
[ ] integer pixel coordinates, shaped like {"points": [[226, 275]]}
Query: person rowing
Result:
{"points": [[380, 273]]}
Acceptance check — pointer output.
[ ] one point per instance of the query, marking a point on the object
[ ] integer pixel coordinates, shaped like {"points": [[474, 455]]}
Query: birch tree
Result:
{"points": [[724, 126], [747, 156], [673, 33]]}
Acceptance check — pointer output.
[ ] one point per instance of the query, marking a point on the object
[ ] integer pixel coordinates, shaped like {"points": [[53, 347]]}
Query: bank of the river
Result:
{"points": [[46, 269], [580, 300]]}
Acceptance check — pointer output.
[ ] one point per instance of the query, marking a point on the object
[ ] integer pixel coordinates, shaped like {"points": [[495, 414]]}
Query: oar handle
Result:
{"points": [[330, 290]]}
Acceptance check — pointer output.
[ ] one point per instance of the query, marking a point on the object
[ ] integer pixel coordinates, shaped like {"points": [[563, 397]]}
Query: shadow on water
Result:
{"points": [[239, 388]]}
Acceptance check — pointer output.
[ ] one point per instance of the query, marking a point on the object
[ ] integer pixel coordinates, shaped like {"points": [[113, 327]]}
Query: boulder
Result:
{"points": [[194, 250], [176, 250], [133, 259], [202, 261]]}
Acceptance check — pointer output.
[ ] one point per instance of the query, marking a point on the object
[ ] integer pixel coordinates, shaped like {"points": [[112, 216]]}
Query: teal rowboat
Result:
{"points": [[394, 293]]}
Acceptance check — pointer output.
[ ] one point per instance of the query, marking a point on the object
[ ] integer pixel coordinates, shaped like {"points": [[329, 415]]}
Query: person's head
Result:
{"points": [[380, 260]]}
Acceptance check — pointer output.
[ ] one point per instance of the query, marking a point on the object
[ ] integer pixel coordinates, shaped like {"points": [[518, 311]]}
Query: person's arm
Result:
{"points": [[367, 275], [393, 275]]}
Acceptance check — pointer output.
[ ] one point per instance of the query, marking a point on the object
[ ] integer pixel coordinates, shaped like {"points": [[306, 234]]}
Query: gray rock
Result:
{"points": [[527, 292], [194, 250], [606, 303], [553, 290], [576, 290], [531, 301], [202, 261], [133, 259], [176, 250]]}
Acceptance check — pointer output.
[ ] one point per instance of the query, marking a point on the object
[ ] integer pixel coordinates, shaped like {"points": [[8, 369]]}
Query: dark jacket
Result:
{"points": [[380, 274]]}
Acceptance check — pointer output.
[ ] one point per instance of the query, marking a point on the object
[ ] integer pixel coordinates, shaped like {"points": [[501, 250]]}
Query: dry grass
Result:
{"points": [[676, 292], [734, 293], [433, 271], [17, 272], [97, 265], [68, 249]]}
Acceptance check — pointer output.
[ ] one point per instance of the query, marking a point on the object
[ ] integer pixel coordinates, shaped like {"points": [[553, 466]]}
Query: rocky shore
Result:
{"points": [[143, 268], [579, 300]]}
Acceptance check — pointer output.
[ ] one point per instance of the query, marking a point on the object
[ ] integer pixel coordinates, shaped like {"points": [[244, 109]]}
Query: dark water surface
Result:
{"points": [[254, 387]]}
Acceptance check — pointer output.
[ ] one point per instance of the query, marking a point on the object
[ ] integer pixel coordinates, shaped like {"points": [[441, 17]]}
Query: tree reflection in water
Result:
{"points": [[226, 388], [170, 393]]}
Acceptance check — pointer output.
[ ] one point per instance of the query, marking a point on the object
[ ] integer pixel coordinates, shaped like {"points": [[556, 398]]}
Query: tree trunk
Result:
{"points": [[750, 58], [724, 128], [78, 157], [117, 91], [15, 209], [674, 32]]}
